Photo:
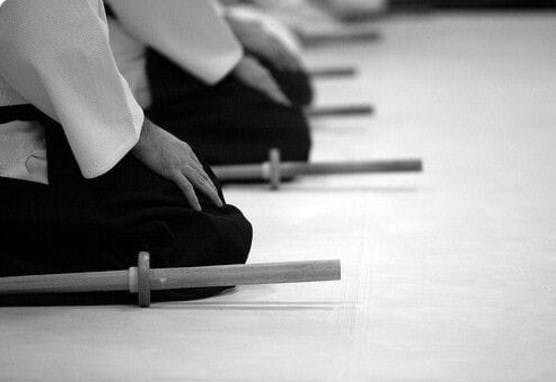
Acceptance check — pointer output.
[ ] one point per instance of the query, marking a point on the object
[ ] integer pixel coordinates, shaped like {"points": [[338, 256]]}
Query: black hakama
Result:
{"points": [[76, 224], [230, 122]]}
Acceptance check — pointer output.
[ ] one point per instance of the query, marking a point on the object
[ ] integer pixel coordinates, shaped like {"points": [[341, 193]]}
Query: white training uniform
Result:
{"points": [[56, 55], [142, 25], [192, 34]]}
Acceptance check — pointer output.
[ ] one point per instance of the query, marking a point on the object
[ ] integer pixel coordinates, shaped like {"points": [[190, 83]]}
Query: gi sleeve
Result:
{"points": [[56, 55], [191, 33]]}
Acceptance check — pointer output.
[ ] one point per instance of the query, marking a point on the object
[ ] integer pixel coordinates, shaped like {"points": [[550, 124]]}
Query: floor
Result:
{"points": [[448, 275]]}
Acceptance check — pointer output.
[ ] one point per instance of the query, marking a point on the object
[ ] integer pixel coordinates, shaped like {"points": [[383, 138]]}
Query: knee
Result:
{"points": [[233, 238], [215, 236]]}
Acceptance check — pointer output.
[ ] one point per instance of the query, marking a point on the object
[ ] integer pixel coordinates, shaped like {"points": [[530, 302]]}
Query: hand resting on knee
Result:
{"points": [[250, 72], [174, 159]]}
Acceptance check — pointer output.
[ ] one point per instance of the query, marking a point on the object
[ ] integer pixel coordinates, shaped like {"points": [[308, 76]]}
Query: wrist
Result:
{"points": [[144, 137]]}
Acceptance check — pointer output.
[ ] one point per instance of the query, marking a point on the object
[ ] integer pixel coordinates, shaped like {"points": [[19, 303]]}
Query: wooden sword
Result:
{"points": [[274, 170], [142, 279]]}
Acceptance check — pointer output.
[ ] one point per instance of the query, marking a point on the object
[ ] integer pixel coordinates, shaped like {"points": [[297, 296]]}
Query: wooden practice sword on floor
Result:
{"points": [[339, 111], [142, 279], [274, 170], [333, 72], [347, 35]]}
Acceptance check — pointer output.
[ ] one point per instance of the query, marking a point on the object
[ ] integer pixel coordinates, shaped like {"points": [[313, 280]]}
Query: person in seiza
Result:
{"points": [[86, 180], [228, 119]]}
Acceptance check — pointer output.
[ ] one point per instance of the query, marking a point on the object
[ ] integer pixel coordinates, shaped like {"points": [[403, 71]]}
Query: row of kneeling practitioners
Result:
{"points": [[111, 114]]}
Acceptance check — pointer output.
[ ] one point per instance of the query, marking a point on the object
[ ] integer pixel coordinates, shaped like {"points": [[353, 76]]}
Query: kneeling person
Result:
{"points": [[86, 180], [209, 80]]}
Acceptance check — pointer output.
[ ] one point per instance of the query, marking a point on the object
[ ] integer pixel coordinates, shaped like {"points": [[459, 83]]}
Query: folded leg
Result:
{"points": [[77, 225]]}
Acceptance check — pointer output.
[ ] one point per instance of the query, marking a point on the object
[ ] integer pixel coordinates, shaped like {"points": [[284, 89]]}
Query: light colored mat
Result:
{"points": [[447, 276]]}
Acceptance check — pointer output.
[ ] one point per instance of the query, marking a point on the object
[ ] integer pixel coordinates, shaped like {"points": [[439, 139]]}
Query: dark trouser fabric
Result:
{"points": [[229, 123], [296, 85], [77, 225]]}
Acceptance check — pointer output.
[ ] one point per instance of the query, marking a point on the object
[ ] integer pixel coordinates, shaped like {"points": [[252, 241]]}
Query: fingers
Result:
{"points": [[192, 177], [198, 167], [187, 188], [282, 57], [265, 83], [205, 186], [187, 184], [196, 177], [200, 179], [253, 74], [174, 159]]}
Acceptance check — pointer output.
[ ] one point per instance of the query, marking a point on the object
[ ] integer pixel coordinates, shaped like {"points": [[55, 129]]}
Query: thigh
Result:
{"points": [[76, 224]]}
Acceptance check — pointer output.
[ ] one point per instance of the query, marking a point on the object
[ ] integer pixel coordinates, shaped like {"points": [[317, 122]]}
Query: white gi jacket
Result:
{"points": [[55, 55]]}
